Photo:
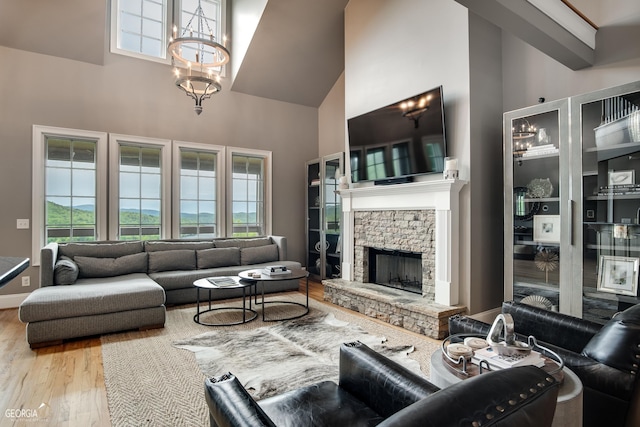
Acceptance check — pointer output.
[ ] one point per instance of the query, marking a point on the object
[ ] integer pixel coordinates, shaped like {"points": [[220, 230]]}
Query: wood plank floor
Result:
{"points": [[63, 384]]}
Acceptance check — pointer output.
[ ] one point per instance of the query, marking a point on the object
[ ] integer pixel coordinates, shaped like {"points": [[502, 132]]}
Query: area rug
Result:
{"points": [[150, 382], [291, 354]]}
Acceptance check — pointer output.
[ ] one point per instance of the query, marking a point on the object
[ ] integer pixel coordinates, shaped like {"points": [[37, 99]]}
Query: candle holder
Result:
{"points": [[450, 168]]}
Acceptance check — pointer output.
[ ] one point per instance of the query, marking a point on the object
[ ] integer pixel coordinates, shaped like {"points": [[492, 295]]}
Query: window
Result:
{"points": [[140, 194], [69, 186], [197, 185], [376, 164], [142, 28], [250, 191]]}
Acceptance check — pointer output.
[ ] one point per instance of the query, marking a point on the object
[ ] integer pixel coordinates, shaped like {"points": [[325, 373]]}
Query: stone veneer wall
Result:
{"points": [[409, 230]]}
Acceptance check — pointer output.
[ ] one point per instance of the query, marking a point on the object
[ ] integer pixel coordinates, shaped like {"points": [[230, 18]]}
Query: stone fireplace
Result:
{"points": [[419, 218]]}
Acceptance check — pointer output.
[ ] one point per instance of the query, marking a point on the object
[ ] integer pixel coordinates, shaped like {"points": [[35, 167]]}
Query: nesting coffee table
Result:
{"points": [[256, 276], [219, 283]]}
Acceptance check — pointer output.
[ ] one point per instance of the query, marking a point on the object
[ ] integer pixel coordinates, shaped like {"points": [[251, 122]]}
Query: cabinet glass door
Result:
{"points": [[314, 215], [609, 131], [535, 184], [332, 217]]}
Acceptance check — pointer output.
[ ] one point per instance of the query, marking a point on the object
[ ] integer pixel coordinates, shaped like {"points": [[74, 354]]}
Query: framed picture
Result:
{"points": [[546, 228], [618, 275], [622, 177]]}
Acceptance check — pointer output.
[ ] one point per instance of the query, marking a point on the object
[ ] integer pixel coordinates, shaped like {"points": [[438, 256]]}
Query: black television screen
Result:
{"points": [[400, 140]]}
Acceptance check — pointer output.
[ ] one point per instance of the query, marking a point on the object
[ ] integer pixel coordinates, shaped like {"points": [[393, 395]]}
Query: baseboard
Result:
{"points": [[11, 301]]}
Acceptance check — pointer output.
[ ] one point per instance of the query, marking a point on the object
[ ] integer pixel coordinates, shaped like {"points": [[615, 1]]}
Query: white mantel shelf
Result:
{"points": [[440, 195]]}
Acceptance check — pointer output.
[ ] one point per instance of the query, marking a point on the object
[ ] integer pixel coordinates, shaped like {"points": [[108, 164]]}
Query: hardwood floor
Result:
{"points": [[62, 384]]}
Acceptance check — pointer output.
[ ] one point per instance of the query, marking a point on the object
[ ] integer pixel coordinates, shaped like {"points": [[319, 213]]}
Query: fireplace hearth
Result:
{"points": [[396, 269]]}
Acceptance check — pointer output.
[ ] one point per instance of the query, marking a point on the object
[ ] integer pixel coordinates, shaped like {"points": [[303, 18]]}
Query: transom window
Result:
{"points": [[141, 28]]}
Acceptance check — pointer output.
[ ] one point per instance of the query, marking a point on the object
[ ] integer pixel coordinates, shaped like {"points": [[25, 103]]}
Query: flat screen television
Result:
{"points": [[397, 142]]}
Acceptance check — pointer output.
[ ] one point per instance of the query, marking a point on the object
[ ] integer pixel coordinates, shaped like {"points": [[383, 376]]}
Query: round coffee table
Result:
{"points": [[256, 276], [218, 283]]}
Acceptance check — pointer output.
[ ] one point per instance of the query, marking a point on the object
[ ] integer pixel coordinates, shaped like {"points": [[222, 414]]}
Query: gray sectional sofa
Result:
{"points": [[101, 287]]}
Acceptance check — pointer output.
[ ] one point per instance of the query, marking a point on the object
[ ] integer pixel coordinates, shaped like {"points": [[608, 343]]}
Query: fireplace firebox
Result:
{"points": [[396, 269]]}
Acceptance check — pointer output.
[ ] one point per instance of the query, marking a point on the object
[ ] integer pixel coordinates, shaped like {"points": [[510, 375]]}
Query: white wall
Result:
{"points": [[136, 97], [331, 122]]}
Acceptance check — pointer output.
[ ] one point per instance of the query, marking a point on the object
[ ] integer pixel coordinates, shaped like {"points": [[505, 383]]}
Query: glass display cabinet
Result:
{"points": [[536, 214], [572, 203], [607, 129], [324, 213]]}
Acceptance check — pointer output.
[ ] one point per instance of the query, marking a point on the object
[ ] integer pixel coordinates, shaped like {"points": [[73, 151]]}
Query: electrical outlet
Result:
{"points": [[26, 281], [22, 224]]}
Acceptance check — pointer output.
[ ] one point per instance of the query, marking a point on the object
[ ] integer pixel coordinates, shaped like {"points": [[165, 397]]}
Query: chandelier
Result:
{"points": [[203, 57], [413, 109]]}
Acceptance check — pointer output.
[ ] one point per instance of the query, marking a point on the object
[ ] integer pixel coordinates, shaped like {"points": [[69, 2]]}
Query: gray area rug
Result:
{"points": [[150, 382], [291, 354]]}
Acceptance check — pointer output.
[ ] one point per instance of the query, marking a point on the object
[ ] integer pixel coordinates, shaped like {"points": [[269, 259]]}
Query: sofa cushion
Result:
{"points": [[65, 271], [159, 245], [100, 250], [258, 254], [92, 296], [218, 257], [242, 243], [338, 408], [621, 333], [109, 267], [180, 259]]}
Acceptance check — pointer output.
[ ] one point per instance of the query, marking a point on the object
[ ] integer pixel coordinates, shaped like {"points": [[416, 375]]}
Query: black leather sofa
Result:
{"points": [[375, 391], [605, 358]]}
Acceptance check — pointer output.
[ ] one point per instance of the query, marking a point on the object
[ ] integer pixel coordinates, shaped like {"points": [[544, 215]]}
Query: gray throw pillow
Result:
{"points": [[160, 245], [259, 254], [112, 249], [65, 271], [218, 257], [109, 267], [184, 259], [242, 242]]}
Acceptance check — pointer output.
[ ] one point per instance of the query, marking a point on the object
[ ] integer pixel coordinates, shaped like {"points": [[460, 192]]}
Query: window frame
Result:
{"points": [[173, 16], [115, 141], [38, 212], [267, 156], [220, 152]]}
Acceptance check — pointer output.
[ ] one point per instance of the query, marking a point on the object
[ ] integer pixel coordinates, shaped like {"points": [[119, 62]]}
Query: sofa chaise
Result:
{"points": [[376, 391], [100, 287]]}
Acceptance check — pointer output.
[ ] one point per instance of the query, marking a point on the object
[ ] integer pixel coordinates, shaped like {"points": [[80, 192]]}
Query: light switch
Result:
{"points": [[22, 224]]}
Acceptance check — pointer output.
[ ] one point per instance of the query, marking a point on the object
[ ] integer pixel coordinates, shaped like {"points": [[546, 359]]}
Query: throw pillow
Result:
{"points": [[109, 267], [100, 250], [160, 245], [65, 271], [183, 259], [242, 242], [218, 257], [259, 254]]}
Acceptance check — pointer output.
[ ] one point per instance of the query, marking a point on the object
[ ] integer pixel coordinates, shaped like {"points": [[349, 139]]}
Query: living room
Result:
{"points": [[392, 50]]}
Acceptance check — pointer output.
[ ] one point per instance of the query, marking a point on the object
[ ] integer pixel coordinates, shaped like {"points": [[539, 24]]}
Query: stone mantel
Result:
{"points": [[441, 195]]}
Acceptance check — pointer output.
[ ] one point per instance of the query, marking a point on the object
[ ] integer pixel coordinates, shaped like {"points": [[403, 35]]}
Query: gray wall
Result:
{"points": [[131, 96]]}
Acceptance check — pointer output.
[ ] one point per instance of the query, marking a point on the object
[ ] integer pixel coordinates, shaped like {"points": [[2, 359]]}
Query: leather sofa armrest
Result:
{"points": [[523, 396], [231, 406], [379, 382], [48, 258]]}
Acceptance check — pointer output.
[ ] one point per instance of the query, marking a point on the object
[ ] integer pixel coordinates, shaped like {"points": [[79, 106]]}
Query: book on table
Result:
{"points": [[276, 270], [223, 282], [498, 361]]}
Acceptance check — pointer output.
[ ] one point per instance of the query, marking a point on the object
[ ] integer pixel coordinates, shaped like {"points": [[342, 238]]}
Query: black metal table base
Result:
{"points": [[264, 303], [248, 314]]}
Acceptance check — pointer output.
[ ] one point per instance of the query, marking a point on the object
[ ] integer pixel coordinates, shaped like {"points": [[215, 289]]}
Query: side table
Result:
{"points": [[209, 284], [569, 407], [264, 279]]}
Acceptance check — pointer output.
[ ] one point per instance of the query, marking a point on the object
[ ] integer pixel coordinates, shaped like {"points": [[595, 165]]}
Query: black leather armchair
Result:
{"points": [[375, 391], [605, 358]]}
